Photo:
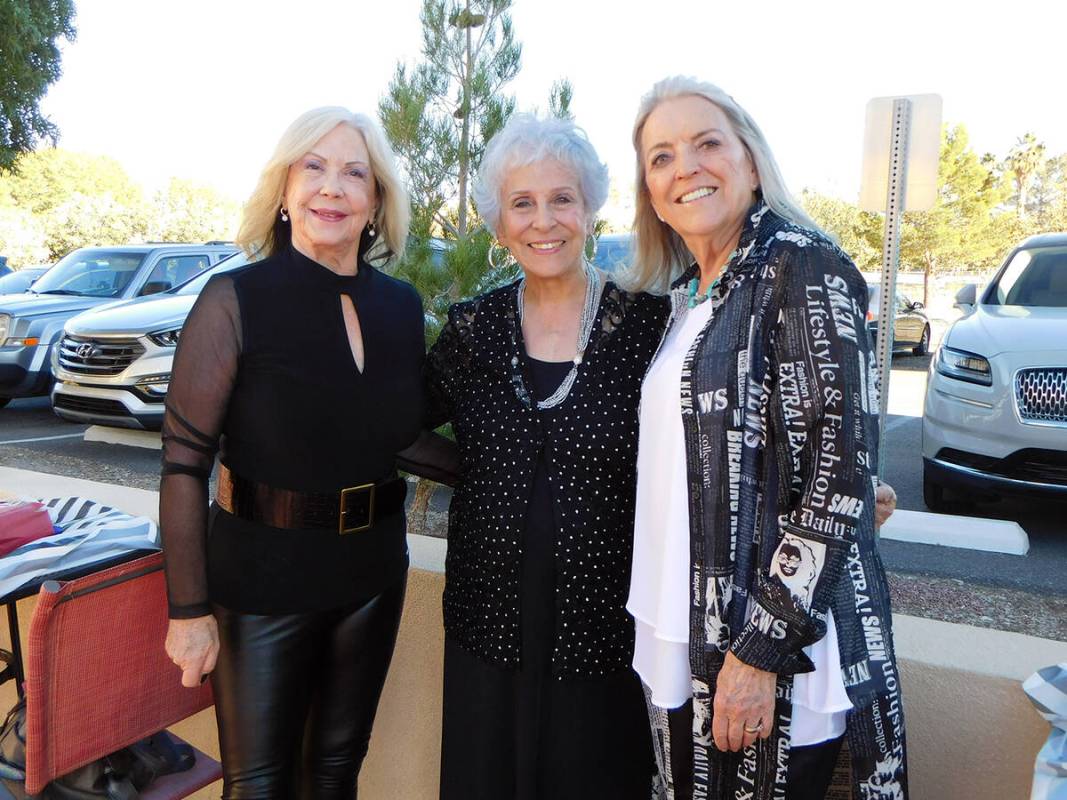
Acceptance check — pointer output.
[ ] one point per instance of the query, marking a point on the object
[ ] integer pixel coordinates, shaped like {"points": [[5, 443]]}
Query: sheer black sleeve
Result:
{"points": [[431, 456], [204, 372], [447, 363]]}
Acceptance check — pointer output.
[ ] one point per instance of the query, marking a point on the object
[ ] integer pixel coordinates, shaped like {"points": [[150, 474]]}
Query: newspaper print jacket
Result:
{"points": [[779, 399]]}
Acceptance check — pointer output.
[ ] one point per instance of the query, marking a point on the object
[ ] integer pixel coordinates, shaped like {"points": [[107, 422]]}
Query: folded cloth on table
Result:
{"points": [[22, 521], [1047, 690], [87, 532]]}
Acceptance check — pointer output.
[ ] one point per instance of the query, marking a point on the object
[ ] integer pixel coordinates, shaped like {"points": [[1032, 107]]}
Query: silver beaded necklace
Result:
{"points": [[593, 286]]}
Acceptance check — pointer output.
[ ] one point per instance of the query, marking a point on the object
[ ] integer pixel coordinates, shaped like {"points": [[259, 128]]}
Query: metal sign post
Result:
{"points": [[901, 146], [894, 212]]}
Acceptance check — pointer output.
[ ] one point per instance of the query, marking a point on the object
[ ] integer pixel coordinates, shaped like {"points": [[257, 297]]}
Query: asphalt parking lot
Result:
{"points": [[32, 437]]}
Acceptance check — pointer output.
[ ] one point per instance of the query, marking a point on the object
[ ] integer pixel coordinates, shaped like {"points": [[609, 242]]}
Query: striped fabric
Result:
{"points": [[1047, 690], [87, 532]]}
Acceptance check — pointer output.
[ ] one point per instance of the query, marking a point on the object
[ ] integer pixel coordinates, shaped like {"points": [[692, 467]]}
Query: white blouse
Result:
{"points": [[659, 582]]}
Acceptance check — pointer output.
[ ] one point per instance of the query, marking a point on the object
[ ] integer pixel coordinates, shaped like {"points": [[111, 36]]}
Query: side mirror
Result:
{"points": [[967, 297], [918, 305]]}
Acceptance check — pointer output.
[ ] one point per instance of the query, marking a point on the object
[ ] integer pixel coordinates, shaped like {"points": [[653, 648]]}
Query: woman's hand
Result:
{"points": [[886, 503], [193, 644], [744, 700]]}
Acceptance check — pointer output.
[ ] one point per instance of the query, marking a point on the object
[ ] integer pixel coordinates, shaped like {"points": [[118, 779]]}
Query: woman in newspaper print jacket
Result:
{"points": [[762, 609]]}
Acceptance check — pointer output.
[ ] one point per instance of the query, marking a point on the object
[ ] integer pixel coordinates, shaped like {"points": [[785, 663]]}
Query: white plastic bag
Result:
{"points": [[1047, 690]]}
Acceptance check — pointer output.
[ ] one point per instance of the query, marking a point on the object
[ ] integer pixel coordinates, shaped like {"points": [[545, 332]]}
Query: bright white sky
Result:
{"points": [[202, 89]]}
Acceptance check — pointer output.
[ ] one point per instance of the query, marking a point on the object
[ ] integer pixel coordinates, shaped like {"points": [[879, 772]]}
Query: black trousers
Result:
{"points": [[296, 695], [811, 767]]}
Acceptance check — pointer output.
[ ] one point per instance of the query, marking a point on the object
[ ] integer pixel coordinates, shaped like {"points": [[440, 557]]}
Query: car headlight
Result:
{"points": [[5, 328], [157, 385], [167, 338], [964, 366]]}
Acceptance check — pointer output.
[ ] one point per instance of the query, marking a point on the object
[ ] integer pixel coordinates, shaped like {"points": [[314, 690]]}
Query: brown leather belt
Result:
{"points": [[348, 511]]}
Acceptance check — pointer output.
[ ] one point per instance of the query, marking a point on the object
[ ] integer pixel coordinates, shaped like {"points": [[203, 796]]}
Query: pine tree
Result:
{"points": [[440, 113]]}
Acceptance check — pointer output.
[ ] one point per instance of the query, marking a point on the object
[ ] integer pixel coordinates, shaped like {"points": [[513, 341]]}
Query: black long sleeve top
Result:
{"points": [[265, 375], [475, 376]]}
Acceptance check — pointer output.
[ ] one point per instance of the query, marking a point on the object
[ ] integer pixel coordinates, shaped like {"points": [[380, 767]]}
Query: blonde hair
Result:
{"points": [[262, 232], [659, 253]]}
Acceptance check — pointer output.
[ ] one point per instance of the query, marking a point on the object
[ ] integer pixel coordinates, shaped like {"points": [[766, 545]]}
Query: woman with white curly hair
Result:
{"points": [[540, 380]]}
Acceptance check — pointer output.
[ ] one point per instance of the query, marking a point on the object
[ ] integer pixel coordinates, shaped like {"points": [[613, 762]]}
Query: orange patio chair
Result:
{"points": [[98, 679]]}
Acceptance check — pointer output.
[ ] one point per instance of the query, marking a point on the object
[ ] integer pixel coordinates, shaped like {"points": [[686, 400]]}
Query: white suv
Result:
{"points": [[995, 419], [112, 366]]}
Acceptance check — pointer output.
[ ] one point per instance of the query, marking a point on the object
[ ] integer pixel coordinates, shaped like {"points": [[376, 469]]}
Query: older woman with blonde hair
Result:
{"points": [[303, 372], [762, 611]]}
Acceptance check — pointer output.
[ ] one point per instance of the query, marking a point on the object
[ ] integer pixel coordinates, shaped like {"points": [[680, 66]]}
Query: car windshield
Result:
{"points": [[200, 281], [1035, 276], [91, 273]]}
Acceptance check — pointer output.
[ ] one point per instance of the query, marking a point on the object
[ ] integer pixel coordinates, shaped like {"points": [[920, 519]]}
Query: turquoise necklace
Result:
{"points": [[694, 285]]}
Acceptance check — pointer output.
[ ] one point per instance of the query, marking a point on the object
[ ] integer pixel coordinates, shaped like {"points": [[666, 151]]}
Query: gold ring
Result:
{"points": [[757, 729]]}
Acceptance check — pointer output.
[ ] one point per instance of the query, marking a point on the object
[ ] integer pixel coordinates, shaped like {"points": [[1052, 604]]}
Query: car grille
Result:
{"points": [[97, 356], [1030, 465], [1041, 394], [91, 405], [1041, 466]]}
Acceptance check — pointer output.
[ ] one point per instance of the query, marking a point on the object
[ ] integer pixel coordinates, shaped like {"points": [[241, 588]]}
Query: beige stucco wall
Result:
{"points": [[972, 733]]}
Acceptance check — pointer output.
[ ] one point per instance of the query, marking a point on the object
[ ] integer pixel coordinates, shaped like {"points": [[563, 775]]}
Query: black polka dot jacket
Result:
{"points": [[475, 378]]}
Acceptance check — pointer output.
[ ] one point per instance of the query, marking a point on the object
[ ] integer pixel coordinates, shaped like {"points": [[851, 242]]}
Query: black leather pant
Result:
{"points": [[296, 694]]}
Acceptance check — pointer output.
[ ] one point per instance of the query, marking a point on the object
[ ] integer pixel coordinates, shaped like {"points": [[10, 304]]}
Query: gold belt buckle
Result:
{"points": [[341, 527]]}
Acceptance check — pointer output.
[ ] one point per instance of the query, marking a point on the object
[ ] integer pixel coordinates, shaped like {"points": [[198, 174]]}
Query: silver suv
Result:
{"points": [[31, 322], [112, 366]]}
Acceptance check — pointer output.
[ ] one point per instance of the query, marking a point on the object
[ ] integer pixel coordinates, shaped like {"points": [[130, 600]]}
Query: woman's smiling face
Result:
{"points": [[330, 195], [543, 220], [699, 174]]}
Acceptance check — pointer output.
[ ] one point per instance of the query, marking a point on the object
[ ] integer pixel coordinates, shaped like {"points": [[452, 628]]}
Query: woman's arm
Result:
{"points": [[447, 356], [823, 414], [432, 456], [203, 375]]}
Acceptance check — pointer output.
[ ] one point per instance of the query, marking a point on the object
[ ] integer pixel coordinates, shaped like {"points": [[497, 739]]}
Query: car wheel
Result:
{"points": [[4, 401], [933, 493], [923, 347]]}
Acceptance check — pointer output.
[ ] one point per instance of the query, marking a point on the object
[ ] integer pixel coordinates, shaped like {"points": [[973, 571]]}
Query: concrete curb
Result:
{"points": [[948, 530], [150, 440], [427, 552], [24, 483]]}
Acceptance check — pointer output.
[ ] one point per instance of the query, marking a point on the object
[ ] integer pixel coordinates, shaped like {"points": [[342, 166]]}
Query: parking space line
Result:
{"points": [[45, 438]]}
